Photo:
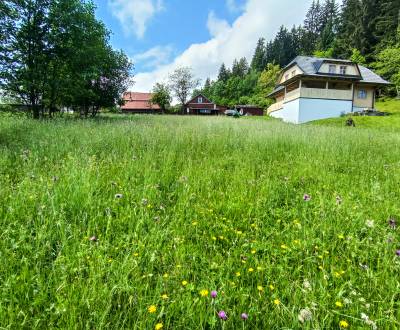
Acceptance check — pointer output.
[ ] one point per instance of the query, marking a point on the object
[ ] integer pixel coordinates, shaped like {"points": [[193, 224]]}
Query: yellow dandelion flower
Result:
{"points": [[178, 266], [158, 326], [259, 268], [339, 304], [284, 247], [164, 296], [166, 275], [214, 238], [341, 236], [343, 324], [251, 270], [260, 288], [277, 302], [221, 237], [271, 287], [135, 254], [253, 251], [238, 274], [184, 283], [204, 293], [195, 223], [320, 267], [152, 309]]}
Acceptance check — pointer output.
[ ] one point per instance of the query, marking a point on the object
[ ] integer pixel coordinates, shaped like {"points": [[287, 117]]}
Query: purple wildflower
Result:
{"points": [[222, 315], [244, 316], [214, 294], [398, 253], [306, 197], [392, 223]]}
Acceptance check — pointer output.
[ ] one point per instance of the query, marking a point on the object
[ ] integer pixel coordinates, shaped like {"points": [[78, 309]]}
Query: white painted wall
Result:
{"points": [[289, 113], [303, 110], [315, 109]]}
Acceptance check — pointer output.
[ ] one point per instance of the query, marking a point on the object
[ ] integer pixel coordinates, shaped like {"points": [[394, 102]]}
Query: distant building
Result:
{"points": [[139, 103], [311, 88], [249, 110], [200, 105]]}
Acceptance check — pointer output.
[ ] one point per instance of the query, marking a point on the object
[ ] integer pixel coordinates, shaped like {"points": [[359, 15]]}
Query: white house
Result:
{"points": [[311, 88]]}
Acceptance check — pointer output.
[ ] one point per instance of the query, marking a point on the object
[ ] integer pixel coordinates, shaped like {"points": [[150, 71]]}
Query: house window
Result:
{"points": [[199, 99], [293, 73], [362, 94], [343, 69], [332, 68]]}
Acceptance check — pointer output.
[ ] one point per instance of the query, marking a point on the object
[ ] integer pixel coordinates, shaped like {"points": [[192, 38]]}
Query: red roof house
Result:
{"points": [[139, 103]]}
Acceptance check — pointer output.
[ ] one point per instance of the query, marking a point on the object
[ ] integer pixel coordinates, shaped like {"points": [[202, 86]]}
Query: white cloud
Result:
{"points": [[232, 5], [260, 18], [134, 15], [154, 57]]}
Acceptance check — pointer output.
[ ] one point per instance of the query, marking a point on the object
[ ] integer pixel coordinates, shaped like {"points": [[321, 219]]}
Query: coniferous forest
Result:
{"points": [[365, 31]]}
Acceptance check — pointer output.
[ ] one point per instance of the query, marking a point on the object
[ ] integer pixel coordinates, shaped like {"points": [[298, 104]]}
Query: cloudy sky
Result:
{"points": [[160, 35]]}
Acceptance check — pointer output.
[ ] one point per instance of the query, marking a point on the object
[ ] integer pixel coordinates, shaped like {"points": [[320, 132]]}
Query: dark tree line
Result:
{"points": [[56, 54], [366, 31]]}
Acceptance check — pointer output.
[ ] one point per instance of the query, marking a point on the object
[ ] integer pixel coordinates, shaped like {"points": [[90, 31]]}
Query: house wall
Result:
{"points": [[351, 69], [315, 109], [289, 113], [364, 103], [295, 68]]}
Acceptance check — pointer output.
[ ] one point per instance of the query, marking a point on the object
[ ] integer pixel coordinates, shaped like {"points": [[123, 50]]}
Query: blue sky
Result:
{"points": [[160, 35]]}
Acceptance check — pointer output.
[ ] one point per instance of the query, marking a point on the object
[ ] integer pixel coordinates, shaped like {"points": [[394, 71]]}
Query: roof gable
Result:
{"points": [[205, 100]]}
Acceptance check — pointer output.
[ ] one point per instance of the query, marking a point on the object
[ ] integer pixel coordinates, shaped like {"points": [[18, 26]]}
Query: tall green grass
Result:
{"points": [[216, 202]]}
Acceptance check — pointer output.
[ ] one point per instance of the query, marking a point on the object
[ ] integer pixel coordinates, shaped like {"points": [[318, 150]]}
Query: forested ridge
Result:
{"points": [[365, 31]]}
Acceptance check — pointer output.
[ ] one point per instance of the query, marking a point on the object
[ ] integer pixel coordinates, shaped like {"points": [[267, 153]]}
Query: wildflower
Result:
{"points": [[305, 315], [238, 274], [370, 223], [251, 270], [204, 293], [166, 275], [222, 315], [343, 324], [259, 268], [244, 316], [93, 239], [119, 196], [145, 202], [164, 296], [283, 247], [214, 238], [271, 287], [392, 223], [341, 236], [195, 223], [277, 302], [184, 283], [338, 200], [307, 285], [135, 254], [152, 309], [398, 253], [260, 288], [253, 251], [369, 322], [214, 294], [306, 197], [158, 326], [339, 304]]}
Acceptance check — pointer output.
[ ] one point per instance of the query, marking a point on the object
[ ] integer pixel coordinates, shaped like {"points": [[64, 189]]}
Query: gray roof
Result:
{"points": [[311, 65]]}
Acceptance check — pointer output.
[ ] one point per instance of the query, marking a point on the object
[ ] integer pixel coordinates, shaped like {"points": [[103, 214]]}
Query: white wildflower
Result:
{"points": [[370, 223], [369, 322], [307, 285], [305, 315]]}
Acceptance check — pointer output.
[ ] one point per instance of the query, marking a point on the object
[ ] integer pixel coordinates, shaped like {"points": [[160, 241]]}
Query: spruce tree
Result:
{"points": [[224, 73], [258, 62], [387, 22]]}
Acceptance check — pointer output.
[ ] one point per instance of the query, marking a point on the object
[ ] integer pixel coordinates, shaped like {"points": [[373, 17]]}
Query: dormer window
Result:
{"points": [[332, 69], [343, 69], [199, 99]]}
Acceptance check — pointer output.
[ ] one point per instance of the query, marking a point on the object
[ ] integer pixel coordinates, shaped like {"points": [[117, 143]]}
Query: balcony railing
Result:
{"points": [[275, 107]]}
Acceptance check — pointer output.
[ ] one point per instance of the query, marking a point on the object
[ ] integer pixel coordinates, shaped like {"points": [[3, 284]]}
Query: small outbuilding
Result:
{"points": [[249, 110]]}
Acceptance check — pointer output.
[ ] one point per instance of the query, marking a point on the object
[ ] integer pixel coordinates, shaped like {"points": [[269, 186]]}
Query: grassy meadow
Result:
{"points": [[131, 223]]}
